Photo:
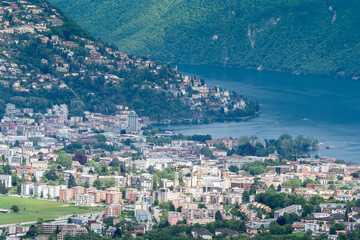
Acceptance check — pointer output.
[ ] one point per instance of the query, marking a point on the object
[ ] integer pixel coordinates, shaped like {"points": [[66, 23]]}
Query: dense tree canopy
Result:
{"points": [[311, 37], [64, 159]]}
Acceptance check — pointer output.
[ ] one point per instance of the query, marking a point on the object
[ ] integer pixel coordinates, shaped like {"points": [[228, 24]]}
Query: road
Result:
{"points": [[156, 214], [95, 215]]}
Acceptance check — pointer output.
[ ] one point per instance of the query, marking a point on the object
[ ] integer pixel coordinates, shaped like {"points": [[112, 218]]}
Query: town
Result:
{"points": [[146, 178], [45, 59], [80, 156]]}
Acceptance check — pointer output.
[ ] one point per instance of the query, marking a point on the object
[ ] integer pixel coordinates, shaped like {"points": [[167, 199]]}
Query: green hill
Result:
{"points": [[318, 37], [47, 59]]}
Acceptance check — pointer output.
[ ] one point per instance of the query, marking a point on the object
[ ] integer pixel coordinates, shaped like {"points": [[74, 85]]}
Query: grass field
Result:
{"points": [[32, 209]]}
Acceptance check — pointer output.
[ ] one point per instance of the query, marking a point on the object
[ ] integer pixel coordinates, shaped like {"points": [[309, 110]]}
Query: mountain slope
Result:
{"points": [[47, 59], [306, 36]]}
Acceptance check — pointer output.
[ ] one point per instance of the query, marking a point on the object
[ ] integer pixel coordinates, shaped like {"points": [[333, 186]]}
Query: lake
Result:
{"points": [[327, 109]]}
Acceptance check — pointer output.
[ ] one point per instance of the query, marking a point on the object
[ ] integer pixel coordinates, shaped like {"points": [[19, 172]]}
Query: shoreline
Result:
{"points": [[204, 120], [296, 73]]}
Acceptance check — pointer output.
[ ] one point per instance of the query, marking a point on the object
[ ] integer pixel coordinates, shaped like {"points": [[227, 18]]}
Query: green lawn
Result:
{"points": [[32, 209], [299, 234]]}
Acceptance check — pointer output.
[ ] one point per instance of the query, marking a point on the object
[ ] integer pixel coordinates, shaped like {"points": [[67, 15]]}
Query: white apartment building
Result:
{"points": [[6, 179], [42, 190], [84, 200]]}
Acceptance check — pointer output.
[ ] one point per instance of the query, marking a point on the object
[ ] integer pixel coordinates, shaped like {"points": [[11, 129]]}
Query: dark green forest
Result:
{"points": [[299, 36]]}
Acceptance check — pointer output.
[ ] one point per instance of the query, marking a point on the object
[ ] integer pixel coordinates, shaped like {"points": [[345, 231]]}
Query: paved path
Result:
{"points": [[156, 214], [88, 215]]}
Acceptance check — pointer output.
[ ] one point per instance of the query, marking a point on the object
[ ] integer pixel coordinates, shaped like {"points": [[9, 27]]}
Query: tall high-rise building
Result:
{"points": [[133, 122], [163, 195], [176, 181]]}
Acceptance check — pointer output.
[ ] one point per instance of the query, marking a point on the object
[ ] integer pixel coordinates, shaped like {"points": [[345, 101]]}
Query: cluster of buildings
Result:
{"points": [[197, 187], [135, 178], [24, 17], [38, 20]]}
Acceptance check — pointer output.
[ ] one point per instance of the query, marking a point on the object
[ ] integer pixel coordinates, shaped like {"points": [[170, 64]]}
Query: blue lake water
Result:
{"points": [[325, 108]]}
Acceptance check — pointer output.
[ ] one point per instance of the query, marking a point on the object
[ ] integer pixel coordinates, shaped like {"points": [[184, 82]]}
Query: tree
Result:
{"points": [[300, 200], [245, 196], [307, 209], [108, 221], [73, 147], [172, 207], [332, 230], [33, 179], [279, 188], [15, 208], [291, 218], [115, 163], [206, 152], [64, 160], [346, 217], [100, 138], [242, 227], [32, 232], [293, 183], [109, 183], [14, 179], [17, 143], [276, 229], [76, 108], [234, 169], [255, 168], [343, 236], [97, 184], [7, 169], [51, 175], [127, 142], [281, 221], [288, 228], [40, 220], [117, 233], [316, 200], [164, 224], [218, 216], [151, 169], [81, 158], [3, 188], [201, 205], [86, 185], [71, 181]]}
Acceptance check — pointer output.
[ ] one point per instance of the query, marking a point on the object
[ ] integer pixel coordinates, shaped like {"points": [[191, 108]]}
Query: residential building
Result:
{"points": [[290, 209], [6, 179], [84, 200], [113, 210]]}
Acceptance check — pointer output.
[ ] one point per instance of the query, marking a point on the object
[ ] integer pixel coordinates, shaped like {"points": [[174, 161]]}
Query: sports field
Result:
{"points": [[32, 209]]}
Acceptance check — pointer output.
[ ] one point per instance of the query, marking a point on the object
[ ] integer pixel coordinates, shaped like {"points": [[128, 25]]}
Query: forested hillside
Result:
{"points": [[47, 59], [318, 37]]}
